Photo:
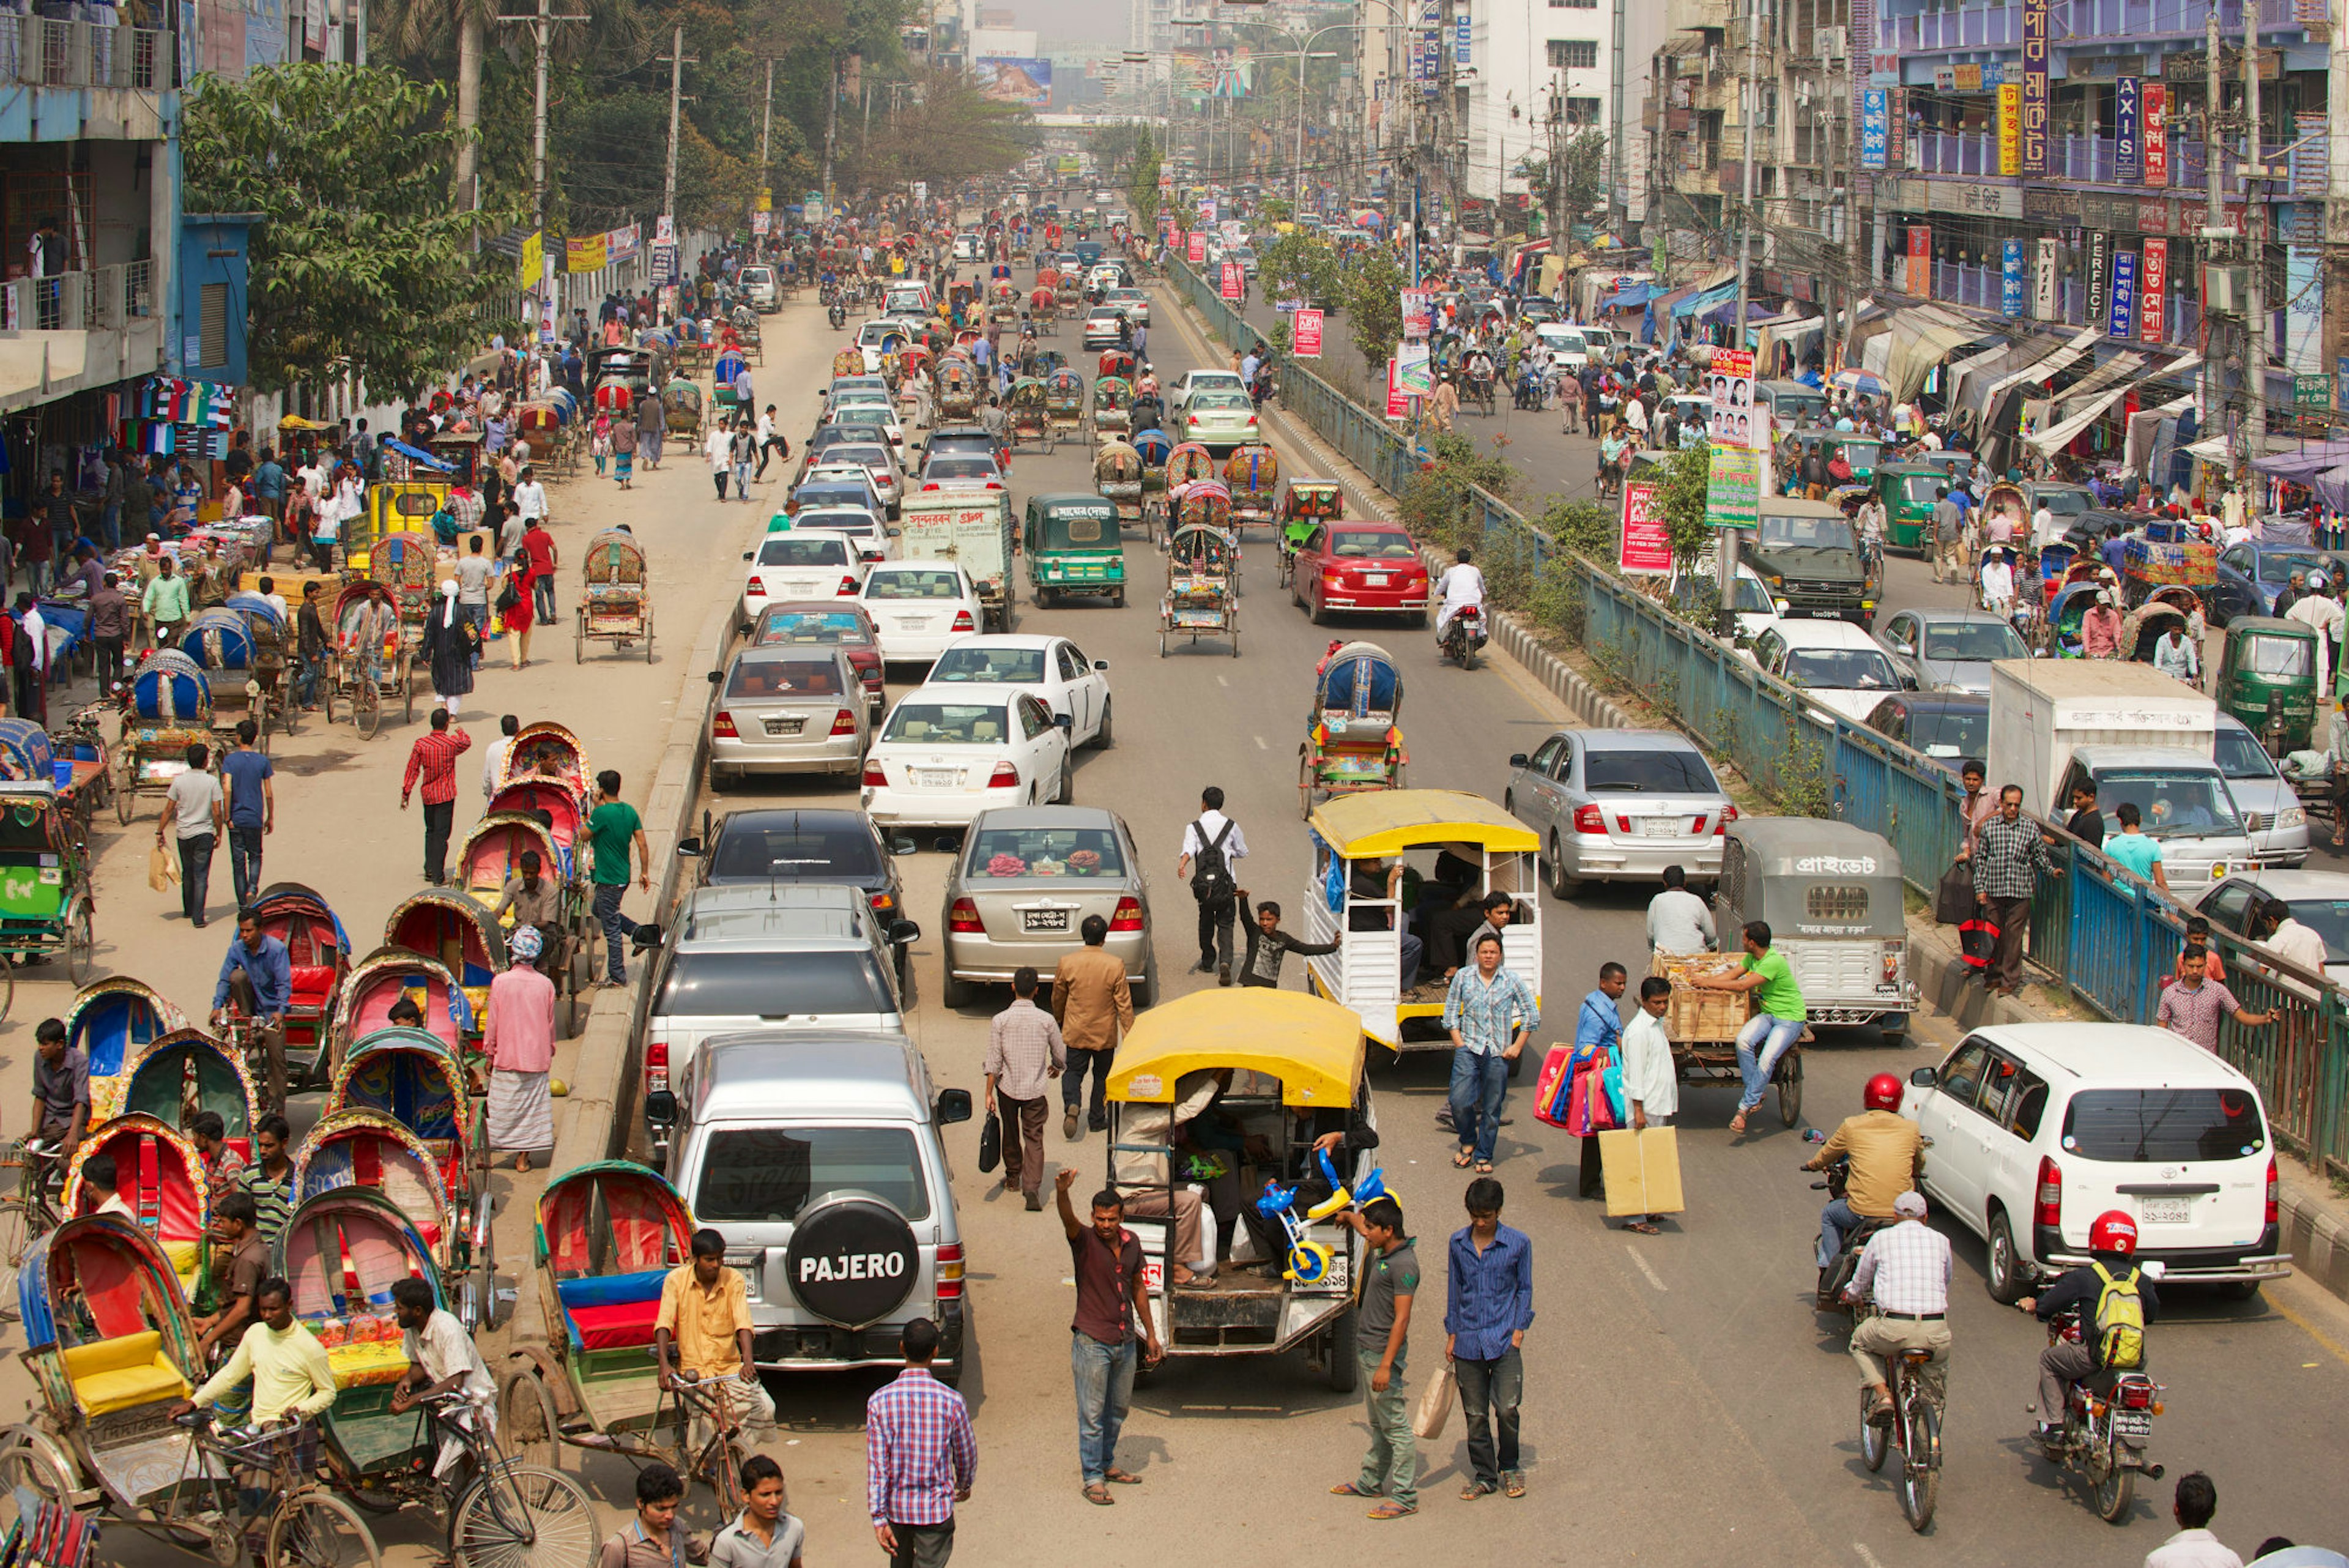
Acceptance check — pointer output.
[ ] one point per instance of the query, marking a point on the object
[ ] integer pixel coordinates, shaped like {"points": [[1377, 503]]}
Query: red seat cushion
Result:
{"points": [[311, 983], [617, 1326]]}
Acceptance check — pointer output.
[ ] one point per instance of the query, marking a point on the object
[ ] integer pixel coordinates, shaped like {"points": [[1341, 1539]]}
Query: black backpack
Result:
{"points": [[1211, 874]]}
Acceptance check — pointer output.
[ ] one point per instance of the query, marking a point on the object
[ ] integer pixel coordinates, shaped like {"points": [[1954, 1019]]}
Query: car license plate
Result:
{"points": [[1660, 827], [749, 1272], [911, 622], [2133, 1423], [785, 726], [1043, 919], [932, 778], [2165, 1210], [1377, 581]]}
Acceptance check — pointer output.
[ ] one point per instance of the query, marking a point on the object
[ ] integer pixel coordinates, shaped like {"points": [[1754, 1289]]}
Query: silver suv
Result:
{"points": [[770, 957]]}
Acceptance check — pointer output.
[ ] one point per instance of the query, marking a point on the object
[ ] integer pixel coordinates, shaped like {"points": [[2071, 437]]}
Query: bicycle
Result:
{"points": [[307, 1526], [502, 1512], [1916, 1425], [34, 1211], [713, 1462]]}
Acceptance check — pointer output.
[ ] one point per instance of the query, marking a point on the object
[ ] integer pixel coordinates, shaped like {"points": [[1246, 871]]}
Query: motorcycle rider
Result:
{"points": [[1479, 368], [1886, 1152], [1906, 1267], [1461, 586], [2112, 1241]]}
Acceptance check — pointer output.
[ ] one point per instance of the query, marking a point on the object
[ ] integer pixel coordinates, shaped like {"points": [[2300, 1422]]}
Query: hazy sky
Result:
{"points": [[1064, 23]]}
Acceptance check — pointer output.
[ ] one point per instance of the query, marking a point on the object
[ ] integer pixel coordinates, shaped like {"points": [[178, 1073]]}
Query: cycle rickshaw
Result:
{"points": [[1305, 503], [1117, 475], [1252, 474], [1028, 422], [1112, 406], [367, 679], [958, 387], [615, 606], [1353, 742], [46, 903], [1202, 597], [166, 708], [1064, 401]]}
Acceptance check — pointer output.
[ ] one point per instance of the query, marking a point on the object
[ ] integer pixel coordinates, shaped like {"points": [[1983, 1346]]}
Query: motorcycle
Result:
{"points": [[1836, 1278], [2107, 1421], [829, 295], [1464, 636], [837, 314], [1529, 394]]}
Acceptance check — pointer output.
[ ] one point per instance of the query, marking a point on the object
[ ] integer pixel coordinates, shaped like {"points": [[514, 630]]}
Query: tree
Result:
{"points": [[1298, 266], [1681, 495], [948, 132], [361, 266], [1142, 189], [1585, 164], [1373, 287]]}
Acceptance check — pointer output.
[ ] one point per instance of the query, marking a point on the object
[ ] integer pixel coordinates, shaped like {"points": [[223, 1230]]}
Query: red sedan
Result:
{"points": [[1361, 568]]}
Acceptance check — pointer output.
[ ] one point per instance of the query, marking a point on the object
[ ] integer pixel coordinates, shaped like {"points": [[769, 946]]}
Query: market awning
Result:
{"points": [[1921, 338], [2081, 414], [2049, 412], [1629, 298], [1705, 301], [2299, 464]]}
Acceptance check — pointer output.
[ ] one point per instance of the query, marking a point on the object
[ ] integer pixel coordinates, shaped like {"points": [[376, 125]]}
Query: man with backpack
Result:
{"points": [[2116, 1301], [1212, 845]]}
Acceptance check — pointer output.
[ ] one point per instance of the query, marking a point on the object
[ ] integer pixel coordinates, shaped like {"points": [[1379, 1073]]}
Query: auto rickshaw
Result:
{"points": [[1303, 503], [1908, 492], [1072, 546], [1279, 1069], [1117, 475], [2267, 679], [1451, 846]]}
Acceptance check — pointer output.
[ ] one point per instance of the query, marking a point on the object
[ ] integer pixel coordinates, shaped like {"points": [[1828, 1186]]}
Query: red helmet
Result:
{"points": [[1883, 1093], [2114, 1232]]}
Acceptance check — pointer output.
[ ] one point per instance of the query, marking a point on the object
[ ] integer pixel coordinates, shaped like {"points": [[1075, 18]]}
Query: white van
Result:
{"points": [[1602, 341], [1568, 348], [759, 282]]}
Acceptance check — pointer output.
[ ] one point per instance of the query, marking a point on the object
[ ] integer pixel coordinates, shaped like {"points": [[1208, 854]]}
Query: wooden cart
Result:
{"points": [[1703, 1026]]}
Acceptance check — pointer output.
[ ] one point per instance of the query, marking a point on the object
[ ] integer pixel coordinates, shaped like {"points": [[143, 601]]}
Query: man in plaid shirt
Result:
{"points": [[434, 759], [2009, 853], [920, 1457], [1490, 1014], [1906, 1266]]}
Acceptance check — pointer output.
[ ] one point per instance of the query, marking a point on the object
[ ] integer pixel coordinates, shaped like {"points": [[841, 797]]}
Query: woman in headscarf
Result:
{"points": [[518, 1033], [451, 643]]}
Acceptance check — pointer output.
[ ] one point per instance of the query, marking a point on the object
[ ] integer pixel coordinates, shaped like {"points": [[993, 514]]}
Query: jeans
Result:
{"points": [[245, 860], [479, 615], [1480, 1086], [1073, 1082], [110, 525], [1390, 1465], [1104, 1377], [1837, 1222], [542, 591], [306, 681], [1215, 918], [195, 874], [720, 475], [1489, 1392], [775, 446], [438, 822], [922, 1545], [1771, 1036], [617, 929]]}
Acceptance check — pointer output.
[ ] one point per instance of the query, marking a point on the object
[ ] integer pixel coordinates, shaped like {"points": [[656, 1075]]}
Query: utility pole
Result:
{"points": [[677, 64], [2214, 219], [1448, 119], [541, 22], [2255, 344], [1752, 114], [767, 126], [1621, 210]]}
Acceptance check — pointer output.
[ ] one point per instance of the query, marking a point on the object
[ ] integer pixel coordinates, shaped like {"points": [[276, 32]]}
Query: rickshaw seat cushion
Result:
{"points": [[117, 1373], [313, 982], [368, 1363], [612, 1311]]}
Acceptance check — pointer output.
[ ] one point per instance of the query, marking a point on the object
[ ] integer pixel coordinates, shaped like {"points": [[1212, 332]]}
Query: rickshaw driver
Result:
{"points": [[1461, 586], [60, 1090], [256, 975], [369, 623], [441, 1359], [291, 1378], [704, 1323]]}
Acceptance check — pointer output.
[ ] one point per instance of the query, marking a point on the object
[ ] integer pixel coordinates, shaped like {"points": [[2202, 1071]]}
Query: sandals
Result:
{"points": [[1393, 1510], [1512, 1483], [1098, 1495], [1121, 1478], [1474, 1489], [1643, 1228], [1737, 1122], [1462, 1159], [1348, 1489], [1483, 1168]]}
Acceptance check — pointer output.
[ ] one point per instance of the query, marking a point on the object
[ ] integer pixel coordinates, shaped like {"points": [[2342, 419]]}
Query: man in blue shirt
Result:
{"points": [[1598, 1027], [257, 975], [1488, 1306], [245, 773]]}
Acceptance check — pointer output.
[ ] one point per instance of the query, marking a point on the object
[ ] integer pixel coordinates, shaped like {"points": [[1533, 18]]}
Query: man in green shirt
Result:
{"points": [[165, 602], [1777, 1025], [615, 831]]}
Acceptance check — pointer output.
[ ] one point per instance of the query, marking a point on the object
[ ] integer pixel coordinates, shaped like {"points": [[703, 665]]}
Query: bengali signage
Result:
{"points": [[591, 254], [1920, 259], [1875, 127], [1234, 280], [622, 244], [2153, 292], [2010, 279], [1415, 369], [1644, 546], [1197, 250], [1306, 335], [2304, 310], [1729, 380], [2128, 130], [2120, 317], [1733, 491], [2035, 100], [2010, 128], [2156, 113]]}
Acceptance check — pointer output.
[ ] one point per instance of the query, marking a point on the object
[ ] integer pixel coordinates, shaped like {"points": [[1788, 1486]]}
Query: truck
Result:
{"points": [[970, 526], [2134, 735], [1806, 555]]}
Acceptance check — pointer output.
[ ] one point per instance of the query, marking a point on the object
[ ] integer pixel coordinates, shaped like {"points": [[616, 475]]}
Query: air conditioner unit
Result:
{"points": [[1830, 42]]}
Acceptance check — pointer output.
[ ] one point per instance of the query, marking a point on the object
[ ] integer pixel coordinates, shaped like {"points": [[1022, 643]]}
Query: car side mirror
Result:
{"points": [[905, 844], [1064, 721], [741, 629], [1518, 759], [1102, 664], [748, 554], [904, 932], [716, 676], [660, 1108], [953, 1105], [688, 846], [1924, 1078]]}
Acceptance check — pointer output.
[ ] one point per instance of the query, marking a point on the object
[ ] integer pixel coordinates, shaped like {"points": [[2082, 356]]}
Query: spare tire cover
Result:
{"points": [[852, 1259]]}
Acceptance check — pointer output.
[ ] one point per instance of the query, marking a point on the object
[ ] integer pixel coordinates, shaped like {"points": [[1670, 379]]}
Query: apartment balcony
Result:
{"points": [[88, 80], [78, 330], [2084, 160], [2069, 21], [1983, 289]]}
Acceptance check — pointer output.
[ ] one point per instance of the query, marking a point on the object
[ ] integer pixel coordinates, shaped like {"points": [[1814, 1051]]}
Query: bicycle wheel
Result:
{"points": [[1875, 1441], [367, 709], [522, 1518], [319, 1530], [1920, 1471]]}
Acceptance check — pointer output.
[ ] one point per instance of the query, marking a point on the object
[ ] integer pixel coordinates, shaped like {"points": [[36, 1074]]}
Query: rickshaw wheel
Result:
{"points": [[319, 1530], [82, 943], [649, 638], [1790, 1085], [31, 1464], [1162, 653], [526, 1420], [367, 709], [126, 800], [1305, 787], [560, 1529], [408, 696]]}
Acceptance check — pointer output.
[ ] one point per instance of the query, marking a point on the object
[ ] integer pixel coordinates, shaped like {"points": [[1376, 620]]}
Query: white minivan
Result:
{"points": [[766, 294], [2037, 1128], [1569, 349]]}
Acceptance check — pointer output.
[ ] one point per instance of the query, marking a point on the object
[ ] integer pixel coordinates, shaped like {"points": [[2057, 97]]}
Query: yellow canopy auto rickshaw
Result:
{"points": [[1249, 1061], [1450, 848]]}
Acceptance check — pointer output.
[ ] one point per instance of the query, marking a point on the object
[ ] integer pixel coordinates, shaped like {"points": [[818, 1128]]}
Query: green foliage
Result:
{"points": [[948, 132], [1584, 161], [1142, 189], [1373, 290], [1581, 527], [361, 264], [1432, 501], [1680, 494], [1298, 266]]}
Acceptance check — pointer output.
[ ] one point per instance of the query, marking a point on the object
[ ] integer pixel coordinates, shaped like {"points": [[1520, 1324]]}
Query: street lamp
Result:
{"points": [[1302, 52]]}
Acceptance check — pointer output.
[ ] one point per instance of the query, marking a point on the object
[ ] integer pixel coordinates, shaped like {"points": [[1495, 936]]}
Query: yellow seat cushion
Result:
{"points": [[117, 1373], [368, 1363]]}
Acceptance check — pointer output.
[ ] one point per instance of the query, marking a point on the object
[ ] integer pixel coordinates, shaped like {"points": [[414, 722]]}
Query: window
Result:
{"points": [[1546, 755], [1835, 901], [1962, 1076], [1574, 55], [766, 1176], [2140, 1125], [1644, 771], [733, 984], [798, 849], [1580, 110], [2025, 1104]]}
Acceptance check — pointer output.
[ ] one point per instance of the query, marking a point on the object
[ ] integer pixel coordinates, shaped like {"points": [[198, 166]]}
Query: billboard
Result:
{"points": [[1643, 546], [1308, 334], [1026, 82]]}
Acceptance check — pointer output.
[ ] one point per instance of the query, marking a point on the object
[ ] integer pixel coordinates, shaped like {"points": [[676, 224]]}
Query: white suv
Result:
{"points": [[2037, 1128]]}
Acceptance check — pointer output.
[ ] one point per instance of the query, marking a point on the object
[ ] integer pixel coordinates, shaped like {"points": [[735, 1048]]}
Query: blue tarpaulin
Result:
{"points": [[1625, 298], [1726, 293], [417, 454]]}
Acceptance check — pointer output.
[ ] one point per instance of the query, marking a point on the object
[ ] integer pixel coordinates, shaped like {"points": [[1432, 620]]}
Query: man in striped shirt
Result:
{"points": [[1490, 1014], [920, 1457], [269, 1179], [434, 759]]}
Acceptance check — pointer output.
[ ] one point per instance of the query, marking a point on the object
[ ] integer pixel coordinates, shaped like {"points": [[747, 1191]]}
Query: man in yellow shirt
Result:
{"points": [[705, 1324], [291, 1379]]}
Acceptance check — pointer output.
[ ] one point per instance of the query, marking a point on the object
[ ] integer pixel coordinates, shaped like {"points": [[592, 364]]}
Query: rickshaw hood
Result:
{"points": [[1314, 1047]]}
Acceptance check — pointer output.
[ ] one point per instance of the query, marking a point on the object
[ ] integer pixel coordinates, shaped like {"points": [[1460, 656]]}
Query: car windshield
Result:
{"points": [[1806, 533], [1219, 399], [770, 984], [2065, 502], [959, 468], [2241, 755], [768, 1176], [1043, 852], [797, 549], [1642, 772], [1848, 668], [923, 582], [949, 723], [991, 666], [1972, 639], [2278, 656], [869, 456], [781, 680], [1371, 543], [2148, 1126], [833, 492], [1918, 488], [1221, 381], [869, 335], [2278, 565], [2172, 805], [1950, 732], [1750, 597], [796, 849], [811, 627]]}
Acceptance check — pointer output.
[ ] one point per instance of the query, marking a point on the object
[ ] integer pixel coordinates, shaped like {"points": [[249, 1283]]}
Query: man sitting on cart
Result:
{"points": [[1774, 1026], [257, 980], [60, 1090], [441, 1359], [368, 625], [704, 1323], [291, 1378]]}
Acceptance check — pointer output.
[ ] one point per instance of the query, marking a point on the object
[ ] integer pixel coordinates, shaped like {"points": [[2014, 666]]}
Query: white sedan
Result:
{"points": [[1199, 380], [947, 753], [920, 608], [803, 563], [1052, 668]]}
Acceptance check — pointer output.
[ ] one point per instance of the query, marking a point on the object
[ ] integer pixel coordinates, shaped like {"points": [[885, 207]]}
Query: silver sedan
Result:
{"points": [[788, 709], [1950, 649], [1620, 805], [1022, 886]]}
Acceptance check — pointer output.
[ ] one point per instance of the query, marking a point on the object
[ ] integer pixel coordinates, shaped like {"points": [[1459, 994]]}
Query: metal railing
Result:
{"points": [[2106, 937], [102, 300], [2001, 26], [44, 52]]}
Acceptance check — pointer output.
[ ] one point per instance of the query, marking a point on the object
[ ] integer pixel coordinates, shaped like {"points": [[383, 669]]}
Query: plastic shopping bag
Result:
{"points": [[1550, 1088], [1435, 1403]]}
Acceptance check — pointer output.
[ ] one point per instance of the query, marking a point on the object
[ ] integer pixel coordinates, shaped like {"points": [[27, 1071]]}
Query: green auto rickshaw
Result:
{"points": [[1908, 492], [1072, 545], [2267, 679]]}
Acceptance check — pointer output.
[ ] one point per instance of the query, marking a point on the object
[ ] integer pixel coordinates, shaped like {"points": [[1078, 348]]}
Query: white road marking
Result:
{"points": [[1221, 681], [1259, 743], [1646, 1268], [1865, 1554]]}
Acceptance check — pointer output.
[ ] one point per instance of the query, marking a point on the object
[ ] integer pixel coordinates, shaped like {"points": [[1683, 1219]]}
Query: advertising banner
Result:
{"points": [[2010, 128], [1643, 548], [587, 255], [1729, 412], [1733, 491], [1920, 259], [2046, 295], [1398, 405], [2035, 101], [621, 245], [2120, 317], [1415, 369], [1418, 313], [2153, 293], [1198, 251], [533, 259], [761, 221], [2100, 266], [1027, 82], [2303, 311], [2156, 133], [1305, 338], [2128, 130], [2010, 279], [1234, 280], [1874, 126]]}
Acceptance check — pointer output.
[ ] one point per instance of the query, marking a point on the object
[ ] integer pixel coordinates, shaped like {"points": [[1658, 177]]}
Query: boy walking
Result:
{"points": [[1390, 1281]]}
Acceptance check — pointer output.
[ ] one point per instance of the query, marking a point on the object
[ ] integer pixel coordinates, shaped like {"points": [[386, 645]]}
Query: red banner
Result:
{"points": [[1306, 338], [1643, 546], [2155, 108], [1398, 400], [1920, 259], [1234, 280], [1198, 247], [2153, 289]]}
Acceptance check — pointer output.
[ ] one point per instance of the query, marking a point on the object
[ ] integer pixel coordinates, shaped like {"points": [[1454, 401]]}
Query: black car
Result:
{"points": [[835, 845], [2090, 529], [975, 440], [1947, 726]]}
